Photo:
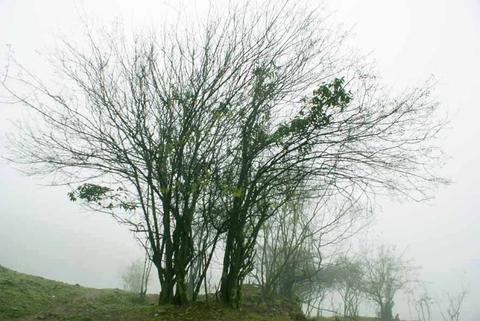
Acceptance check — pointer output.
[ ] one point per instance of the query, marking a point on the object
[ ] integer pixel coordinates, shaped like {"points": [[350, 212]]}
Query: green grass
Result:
{"points": [[23, 296], [26, 297], [339, 318]]}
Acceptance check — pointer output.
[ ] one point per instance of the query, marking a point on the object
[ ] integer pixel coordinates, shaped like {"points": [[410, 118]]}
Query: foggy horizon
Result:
{"points": [[44, 234]]}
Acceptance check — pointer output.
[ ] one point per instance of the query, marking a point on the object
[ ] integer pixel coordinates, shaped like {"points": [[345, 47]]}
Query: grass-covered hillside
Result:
{"points": [[26, 297]]}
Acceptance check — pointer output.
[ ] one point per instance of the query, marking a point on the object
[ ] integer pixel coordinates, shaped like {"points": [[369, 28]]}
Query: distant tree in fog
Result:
{"points": [[452, 308], [136, 276], [386, 273], [290, 250], [348, 283], [423, 307]]}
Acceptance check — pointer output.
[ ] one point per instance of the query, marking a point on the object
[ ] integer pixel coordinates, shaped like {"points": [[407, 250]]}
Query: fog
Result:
{"points": [[43, 233]]}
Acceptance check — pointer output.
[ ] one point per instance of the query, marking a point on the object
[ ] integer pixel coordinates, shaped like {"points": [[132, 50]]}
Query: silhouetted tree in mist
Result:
{"points": [[196, 138]]}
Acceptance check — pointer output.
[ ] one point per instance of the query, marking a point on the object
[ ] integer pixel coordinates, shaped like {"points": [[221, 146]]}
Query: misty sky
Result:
{"points": [[42, 233]]}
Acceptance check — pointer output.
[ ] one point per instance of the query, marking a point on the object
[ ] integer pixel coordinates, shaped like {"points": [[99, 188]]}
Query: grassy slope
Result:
{"points": [[26, 297]]}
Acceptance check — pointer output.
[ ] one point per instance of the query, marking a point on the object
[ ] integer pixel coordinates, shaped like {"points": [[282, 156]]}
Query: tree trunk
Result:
{"points": [[166, 293], [181, 258], [226, 285], [386, 312], [230, 287]]}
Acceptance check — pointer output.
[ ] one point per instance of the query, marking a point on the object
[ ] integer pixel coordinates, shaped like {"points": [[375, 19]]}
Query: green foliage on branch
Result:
{"points": [[315, 113], [102, 196], [89, 192]]}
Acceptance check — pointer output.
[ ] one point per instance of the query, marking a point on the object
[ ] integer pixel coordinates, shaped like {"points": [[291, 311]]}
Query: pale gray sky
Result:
{"points": [[42, 233]]}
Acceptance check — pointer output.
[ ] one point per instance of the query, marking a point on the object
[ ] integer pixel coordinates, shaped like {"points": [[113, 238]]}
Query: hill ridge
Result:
{"points": [[27, 297]]}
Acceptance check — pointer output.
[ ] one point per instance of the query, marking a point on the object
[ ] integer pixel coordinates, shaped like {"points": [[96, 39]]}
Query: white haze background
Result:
{"points": [[42, 233]]}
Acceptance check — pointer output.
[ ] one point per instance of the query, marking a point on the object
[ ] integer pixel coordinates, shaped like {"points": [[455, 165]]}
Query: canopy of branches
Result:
{"points": [[197, 138]]}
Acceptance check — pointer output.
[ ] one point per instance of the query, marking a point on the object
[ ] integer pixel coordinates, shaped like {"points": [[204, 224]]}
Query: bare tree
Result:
{"points": [[453, 308], [214, 129], [139, 134], [386, 273], [292, 245], [136, 276], [349, 284], [423, 308]]}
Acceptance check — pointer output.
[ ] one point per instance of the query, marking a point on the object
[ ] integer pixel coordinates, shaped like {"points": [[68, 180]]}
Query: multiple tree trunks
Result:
{"points": [[199, 138]]}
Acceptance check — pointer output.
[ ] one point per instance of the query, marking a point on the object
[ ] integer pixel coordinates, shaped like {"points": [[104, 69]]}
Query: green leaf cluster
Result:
{"points": [[315, 114], [89, 192]]}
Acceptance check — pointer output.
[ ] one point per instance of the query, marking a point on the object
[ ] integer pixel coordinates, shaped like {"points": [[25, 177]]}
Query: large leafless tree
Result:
{"points": [[386, 273], [197, 137]]}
